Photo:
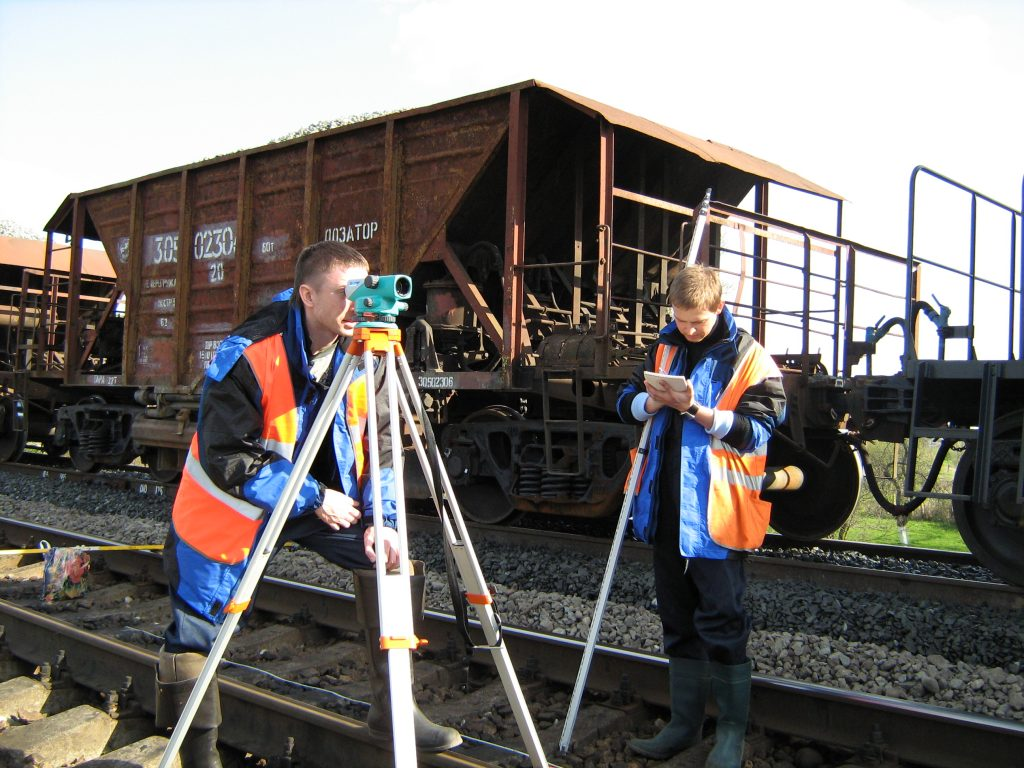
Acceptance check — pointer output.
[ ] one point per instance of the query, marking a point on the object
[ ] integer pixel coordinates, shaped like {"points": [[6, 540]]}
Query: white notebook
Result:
{"points": [[665, 381]]}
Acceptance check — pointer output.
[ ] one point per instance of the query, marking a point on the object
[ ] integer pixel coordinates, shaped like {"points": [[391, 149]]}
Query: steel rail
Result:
{"points": [[142, 485], [944, 589]]}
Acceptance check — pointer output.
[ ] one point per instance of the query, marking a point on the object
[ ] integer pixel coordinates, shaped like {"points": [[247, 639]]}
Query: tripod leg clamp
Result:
{"points": [[391, 643], [234, 607]]}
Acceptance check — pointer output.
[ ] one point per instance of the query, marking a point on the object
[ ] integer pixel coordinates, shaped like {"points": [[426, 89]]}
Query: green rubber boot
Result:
{"points": [[730, 685], [689, 680]]}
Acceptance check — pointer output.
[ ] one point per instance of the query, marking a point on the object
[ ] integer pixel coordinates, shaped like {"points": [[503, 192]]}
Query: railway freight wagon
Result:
{"points": [[541, 229]]}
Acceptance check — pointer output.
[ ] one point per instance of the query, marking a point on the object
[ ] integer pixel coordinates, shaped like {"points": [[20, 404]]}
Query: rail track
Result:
{"points": [[60, 470], [123, 618], [781, 566]]}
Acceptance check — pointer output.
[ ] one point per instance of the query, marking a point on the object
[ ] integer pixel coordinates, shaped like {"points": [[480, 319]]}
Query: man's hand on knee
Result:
{"points": [[339, 510]]}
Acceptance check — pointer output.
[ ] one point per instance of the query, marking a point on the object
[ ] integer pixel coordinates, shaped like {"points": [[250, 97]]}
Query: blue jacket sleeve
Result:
{"points": [[633, 387]]}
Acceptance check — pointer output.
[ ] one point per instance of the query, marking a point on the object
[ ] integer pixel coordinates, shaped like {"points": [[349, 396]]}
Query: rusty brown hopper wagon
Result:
{"points": [[539, 227]]}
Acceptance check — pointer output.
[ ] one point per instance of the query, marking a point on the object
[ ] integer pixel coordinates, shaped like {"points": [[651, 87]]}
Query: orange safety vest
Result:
{"points": [[223, 527], [737, 515]]}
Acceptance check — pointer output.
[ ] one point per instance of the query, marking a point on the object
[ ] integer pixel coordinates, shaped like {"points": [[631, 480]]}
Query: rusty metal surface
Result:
{"points": [[703, 148], [510, 195], [111, 214], [212, 255], [276, 183], [389, 186], [346, 185], [513, 330]]}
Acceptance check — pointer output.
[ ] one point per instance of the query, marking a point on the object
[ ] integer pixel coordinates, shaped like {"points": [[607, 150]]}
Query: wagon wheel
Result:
{"points": [[13, 427], [829, 492], [485, 501], [82, 459], [163, 472], [53, 450], [994, 532]]}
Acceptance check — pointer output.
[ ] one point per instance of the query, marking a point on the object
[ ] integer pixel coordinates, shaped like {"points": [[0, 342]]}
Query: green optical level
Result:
{"points": [[379, 298]]}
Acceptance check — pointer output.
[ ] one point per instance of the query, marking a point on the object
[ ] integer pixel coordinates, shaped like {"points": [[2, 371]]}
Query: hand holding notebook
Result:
{"points": [[664, 381]]}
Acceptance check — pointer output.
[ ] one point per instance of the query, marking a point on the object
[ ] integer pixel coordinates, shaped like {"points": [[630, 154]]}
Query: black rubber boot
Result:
{"points": [[175, 678], [430, 737], [689, 680], [730, 685]]}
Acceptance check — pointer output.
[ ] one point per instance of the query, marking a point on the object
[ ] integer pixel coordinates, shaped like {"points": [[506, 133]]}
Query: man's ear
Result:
{"points": [[306, 294], [721, 306]]}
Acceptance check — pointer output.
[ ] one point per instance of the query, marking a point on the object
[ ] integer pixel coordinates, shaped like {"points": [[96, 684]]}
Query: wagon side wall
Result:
{"points": [[197, 249]]}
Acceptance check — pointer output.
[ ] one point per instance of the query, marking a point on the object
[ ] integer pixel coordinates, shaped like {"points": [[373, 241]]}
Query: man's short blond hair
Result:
{"points": [[696, 287], [316, 260]]}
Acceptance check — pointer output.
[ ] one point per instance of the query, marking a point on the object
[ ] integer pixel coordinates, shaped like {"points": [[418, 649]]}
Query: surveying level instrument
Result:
{"points": [[378, 300]]}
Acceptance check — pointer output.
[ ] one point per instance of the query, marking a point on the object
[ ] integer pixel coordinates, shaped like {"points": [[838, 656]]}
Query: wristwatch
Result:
{"points": [[691, 411]]}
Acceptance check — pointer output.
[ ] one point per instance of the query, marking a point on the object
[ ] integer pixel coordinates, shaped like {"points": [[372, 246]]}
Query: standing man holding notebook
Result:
{"points": [[699, 503]]}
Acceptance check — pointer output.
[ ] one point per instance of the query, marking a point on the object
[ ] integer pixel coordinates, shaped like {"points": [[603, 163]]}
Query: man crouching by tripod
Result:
{"points": [[262, 392]]}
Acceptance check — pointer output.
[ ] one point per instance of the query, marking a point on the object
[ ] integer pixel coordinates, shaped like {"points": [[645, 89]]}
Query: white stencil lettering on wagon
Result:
{"points": [[348, 233]]}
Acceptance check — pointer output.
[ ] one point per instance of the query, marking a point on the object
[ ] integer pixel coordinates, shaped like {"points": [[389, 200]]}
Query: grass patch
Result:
{"points": [[930, 526], [928, 534]]}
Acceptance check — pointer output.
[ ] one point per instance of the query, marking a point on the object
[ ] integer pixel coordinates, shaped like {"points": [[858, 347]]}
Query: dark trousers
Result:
{"points": [[700, 601], [188, 631]]}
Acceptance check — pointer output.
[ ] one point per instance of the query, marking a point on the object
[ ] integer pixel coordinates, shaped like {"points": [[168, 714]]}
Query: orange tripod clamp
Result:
{"points": [[376, 340], [392, 642]]}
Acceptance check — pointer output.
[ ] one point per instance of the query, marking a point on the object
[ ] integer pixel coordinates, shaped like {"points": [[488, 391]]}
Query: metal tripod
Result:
{"points": [[380, 340]]}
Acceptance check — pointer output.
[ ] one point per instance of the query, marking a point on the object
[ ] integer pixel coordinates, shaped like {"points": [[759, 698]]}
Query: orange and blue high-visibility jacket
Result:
{"points": [[720, 504], [257, 406]]}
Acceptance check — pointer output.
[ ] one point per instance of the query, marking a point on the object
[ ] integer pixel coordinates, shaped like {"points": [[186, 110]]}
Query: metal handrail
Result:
{"points": [[824, 284], [973, 279]]}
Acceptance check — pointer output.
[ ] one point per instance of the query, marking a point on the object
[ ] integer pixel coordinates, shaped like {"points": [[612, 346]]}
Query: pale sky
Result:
{"points": [[850, 95]]}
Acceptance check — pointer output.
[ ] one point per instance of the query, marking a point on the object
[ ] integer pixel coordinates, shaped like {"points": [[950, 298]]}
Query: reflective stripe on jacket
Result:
{"points": [[211, 521]]}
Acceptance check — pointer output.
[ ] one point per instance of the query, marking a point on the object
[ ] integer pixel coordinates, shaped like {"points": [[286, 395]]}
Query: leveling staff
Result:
{"points": [[699, 503], [262, 393]]}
